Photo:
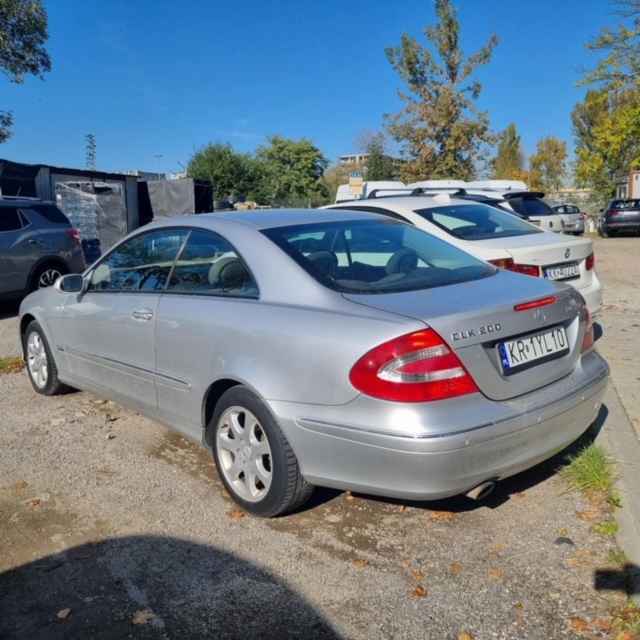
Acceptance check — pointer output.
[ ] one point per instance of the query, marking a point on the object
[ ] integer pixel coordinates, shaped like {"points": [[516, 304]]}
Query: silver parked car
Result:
{"points": [[37, 246], [325, 348], [572, 218]]}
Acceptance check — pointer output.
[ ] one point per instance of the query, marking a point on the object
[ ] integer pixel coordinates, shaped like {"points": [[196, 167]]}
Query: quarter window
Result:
{"points": [[9, 219], [142, 263], [209, 265]]}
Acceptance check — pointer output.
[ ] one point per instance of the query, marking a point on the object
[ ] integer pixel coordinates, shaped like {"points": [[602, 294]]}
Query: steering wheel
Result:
{"points": [[153, 271]]}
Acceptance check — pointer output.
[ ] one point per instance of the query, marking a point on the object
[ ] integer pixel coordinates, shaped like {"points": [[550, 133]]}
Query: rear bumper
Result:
{"points": [[615, 225], [592, 295], [573, 227], [76, 262], [428, 452]]}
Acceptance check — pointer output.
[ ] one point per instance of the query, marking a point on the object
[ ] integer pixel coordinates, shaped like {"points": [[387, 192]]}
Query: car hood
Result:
{"points": [[472, 317]]}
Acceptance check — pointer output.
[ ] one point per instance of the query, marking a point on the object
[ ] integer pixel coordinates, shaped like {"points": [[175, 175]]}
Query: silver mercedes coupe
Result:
{"points": [[326, 348]]}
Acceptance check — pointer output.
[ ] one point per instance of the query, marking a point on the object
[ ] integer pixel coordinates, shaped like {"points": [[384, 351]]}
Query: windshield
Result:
{"points": [[625, 205], [376, 256], [477, 222], [530, 206]]}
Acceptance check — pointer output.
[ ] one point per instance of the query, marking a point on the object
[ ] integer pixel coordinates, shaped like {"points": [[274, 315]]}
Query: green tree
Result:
{"points": [[380, 166], [440, 128], [291, 172], [606, 124], [619, 68], [548, 165], [610, 147], [232, 174], [509, 161], [23, 33]]}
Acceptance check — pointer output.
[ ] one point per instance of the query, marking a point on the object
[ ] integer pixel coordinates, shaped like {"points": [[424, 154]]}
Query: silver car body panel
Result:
{"points": [[295, 346]]}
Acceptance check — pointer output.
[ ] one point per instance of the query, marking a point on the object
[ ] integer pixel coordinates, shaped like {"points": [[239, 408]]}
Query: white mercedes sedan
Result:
{"points": [[496, 236]]}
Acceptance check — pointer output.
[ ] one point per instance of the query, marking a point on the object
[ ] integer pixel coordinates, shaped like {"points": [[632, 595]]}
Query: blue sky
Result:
{"points": [[155, 80]]}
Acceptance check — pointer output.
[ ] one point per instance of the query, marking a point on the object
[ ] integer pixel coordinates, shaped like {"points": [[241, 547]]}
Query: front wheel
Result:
{"points": [[41, 366], [254, 459]]}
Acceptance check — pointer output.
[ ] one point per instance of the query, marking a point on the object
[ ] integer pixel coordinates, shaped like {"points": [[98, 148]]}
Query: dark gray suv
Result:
{"points": [[37, 246]]}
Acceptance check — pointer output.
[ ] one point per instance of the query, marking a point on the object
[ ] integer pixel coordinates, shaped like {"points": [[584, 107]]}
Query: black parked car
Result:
{"points": [[37, 246], [621, 216]]}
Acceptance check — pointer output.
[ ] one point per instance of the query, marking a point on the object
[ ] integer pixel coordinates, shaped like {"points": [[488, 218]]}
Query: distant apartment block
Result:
{"points": [[359, 159]]}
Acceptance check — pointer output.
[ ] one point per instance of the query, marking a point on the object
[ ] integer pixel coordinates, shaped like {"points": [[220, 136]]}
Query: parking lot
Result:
{"points": [[112, 526]]}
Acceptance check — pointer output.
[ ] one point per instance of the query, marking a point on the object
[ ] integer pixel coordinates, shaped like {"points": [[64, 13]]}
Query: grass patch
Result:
{"points": [[591, 471], [606, 528], [11, 365], [618, 557], [627, 621]]}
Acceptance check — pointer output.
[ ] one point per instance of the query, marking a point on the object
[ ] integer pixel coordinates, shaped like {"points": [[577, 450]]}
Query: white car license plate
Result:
{"points": [[563, 272], [517, 354]]}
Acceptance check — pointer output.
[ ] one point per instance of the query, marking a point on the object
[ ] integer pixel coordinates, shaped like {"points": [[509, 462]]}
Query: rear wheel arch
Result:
{"points": [[48, 261], [210, 401]]}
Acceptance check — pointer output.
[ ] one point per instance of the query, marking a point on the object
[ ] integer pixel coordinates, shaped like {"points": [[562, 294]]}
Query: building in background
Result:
{"points": [[355, 159], [628, 186], [105, 206]]}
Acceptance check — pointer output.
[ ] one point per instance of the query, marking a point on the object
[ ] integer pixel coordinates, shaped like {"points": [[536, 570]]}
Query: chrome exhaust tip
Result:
{"points": [[481, 491]]}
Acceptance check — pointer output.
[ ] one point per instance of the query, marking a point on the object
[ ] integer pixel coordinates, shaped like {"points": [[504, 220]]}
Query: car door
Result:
{"points": [[109, 331], [199, 314], [14, 251]]}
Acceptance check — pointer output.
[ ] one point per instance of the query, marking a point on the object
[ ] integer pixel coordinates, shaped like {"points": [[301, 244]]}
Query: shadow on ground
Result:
{"points": [[9, 309], [147, 586], [625, 580], [504, 488]]}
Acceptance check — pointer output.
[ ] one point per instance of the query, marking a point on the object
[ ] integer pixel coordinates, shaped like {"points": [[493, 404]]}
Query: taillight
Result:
{"points": [[510, 265], [589, 338], [74, 234], [503, 263], [590, 262], [417, 367]]}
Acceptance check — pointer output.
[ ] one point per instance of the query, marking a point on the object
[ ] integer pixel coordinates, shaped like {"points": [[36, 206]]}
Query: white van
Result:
{"points": [[371, 188]]}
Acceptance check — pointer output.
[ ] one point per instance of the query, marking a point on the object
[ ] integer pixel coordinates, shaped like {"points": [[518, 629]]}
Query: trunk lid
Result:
{"points": [[473, 317], [550, 251]]}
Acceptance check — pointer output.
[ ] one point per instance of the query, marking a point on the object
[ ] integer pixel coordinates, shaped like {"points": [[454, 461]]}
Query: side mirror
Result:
{"points": [[71, 283]]}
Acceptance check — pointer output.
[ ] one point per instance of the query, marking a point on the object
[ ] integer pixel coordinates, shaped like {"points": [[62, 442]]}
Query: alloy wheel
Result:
{"points": [[37, 360], [244, 454], [48, 277]]}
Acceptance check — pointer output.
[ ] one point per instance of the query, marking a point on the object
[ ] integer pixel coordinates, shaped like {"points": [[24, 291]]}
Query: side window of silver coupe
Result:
{"points": [[142, 263], [209, 265]]}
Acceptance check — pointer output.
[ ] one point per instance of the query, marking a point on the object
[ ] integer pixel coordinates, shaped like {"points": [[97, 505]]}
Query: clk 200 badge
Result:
{"points": [[482, 330]]}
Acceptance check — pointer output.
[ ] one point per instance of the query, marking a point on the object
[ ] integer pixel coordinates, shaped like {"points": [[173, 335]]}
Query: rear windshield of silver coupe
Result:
{"points": [[477, 222], [377, 256]]}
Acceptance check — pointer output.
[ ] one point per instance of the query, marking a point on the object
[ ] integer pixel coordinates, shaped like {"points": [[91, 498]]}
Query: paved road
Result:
{"points": [[112, 516]]}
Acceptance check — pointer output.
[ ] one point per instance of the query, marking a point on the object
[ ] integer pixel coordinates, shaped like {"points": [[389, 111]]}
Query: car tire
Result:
{"points": [[254, 459], [46, 275], [41, 367]]}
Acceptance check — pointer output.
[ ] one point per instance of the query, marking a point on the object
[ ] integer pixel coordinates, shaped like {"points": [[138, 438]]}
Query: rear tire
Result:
{"points": [[46, 275], [41, 367], [254, 459]]}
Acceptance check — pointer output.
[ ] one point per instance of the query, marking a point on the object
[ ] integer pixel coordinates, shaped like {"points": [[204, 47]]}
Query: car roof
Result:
{"points": [[412, 203], [10, 201], [261, 219]]}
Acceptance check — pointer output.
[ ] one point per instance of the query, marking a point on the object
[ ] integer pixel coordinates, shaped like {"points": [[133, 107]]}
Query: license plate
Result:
{"points": [[521, 352], [563, 271]]}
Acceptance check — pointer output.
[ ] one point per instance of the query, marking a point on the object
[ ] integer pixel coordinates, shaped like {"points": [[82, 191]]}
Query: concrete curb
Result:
{"points": [[620, 439]]}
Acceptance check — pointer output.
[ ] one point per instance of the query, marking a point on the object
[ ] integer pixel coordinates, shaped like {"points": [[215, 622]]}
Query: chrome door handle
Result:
{"points": [[142, 314]]}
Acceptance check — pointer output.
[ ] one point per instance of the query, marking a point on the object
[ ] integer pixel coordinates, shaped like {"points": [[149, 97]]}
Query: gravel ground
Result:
{"points": [[618, 265], [111, 526], [9, 341]]}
